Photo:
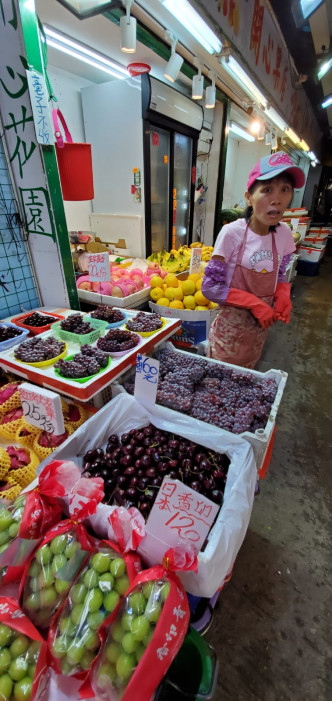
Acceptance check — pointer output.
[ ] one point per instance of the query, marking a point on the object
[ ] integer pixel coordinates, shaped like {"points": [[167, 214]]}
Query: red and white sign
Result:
{"points": [[179, 513], [99, 267], [42, 408]]}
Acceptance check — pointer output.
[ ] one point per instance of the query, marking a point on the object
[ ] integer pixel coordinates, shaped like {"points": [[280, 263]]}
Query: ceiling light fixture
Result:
{"points": [[197, 87], [128, 29], [210, 92], [327, 102], [304, 146], [272, 114], [83, 53], [268, 138], [274, 142], [193, 23], [256, 127], [292, 136], [235, 129], [236, 71], [324, 68], [175, 61], [87, 8]]}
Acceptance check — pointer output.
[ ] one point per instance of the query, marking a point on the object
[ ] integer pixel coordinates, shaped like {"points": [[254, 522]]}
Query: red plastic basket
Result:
{"points": [[19, 321]]}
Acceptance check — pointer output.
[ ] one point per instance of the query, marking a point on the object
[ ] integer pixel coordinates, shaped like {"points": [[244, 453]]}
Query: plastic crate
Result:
{"points": [[12, 341], [133, 300], [19, 321], [81, 380], [98, 326], [305, 267]]}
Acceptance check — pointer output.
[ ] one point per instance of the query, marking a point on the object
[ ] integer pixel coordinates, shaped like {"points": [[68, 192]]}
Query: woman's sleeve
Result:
{"points": [[214, 286]]}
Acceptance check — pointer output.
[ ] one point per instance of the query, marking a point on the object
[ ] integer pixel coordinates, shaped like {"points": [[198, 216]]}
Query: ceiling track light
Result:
{"points": [[210, 92], [193, 23], [175, 61], [233, 68], [197, 87], [128, 29]]}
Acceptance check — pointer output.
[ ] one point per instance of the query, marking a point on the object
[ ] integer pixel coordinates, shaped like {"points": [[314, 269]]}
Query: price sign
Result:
{"points": [[99, 267], [40, 110], [146, 380], [294, 224], [195, 260], [42, 408], [180, 513]]}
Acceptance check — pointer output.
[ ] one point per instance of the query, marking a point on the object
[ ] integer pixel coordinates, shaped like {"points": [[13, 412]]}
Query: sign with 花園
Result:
{"points": [[195, 260], [99, 267], [180, 513], [39, 102], [146, 379], [42, 408]]}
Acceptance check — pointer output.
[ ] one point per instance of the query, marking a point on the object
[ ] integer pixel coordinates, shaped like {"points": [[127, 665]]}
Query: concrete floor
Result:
{"points": [[272, 629]]}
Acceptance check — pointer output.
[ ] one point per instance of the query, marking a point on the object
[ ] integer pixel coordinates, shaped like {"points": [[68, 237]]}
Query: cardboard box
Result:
{"points": [[195, 326]]}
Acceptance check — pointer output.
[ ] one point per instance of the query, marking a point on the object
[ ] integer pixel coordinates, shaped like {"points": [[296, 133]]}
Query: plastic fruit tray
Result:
{"points": [[19, 321], [146, 334], [98, 326], [44, 363], [81, 380], [119, 354], [116, 324], [12, 341]]}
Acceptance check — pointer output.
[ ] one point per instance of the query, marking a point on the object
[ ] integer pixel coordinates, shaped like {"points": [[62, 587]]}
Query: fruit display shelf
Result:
{"points": [[130, 302], [261, 439], [91, 389]]}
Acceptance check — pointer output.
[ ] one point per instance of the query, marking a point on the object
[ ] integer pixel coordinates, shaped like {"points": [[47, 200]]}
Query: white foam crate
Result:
{"points": [[261, 438], [312, 255], [124, 302]]}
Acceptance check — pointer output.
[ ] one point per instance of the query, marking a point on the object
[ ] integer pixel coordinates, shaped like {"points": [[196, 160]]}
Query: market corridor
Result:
{"points": [[273, 628]]}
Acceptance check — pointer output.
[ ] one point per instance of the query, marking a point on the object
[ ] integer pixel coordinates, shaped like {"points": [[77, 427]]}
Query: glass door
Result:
{"points": [[183, 157], [159, 187]]}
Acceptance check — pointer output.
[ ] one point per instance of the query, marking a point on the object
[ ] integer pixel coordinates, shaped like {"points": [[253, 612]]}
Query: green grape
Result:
{"points": [[146, 641], [118, 567], [94, 619], [33, 651], [6, 635], [6, 687], [34, 569], [33, 601], [106, 674], [5, 520], [129, 643], [111, 600], [71, 548], [13, 530], [127, 620], [117, 631], [18, 668], [139, 652], [90, 579], [58, 544], [153, 611], [75, 653], [101, 562], [19, 646], [32, 670], [4, 537], [34, 583], [5, 660], [164, 591], [59, 561], [2, 550], [61, 586], [22, 689], [137, 603], [77, 613], [44, 555], [147, 589], [46, 578], [93, 600], [106, 582], [140, 628], [121, 585], [125, 665], [60, 646], [112, 652], [90, 639], [78, 593], [66, 667], [87, 659], [47, 596], [67, 626]]}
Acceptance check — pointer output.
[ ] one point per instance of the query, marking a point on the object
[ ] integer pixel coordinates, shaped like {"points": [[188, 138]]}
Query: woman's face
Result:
{"points": [[269, 199]]}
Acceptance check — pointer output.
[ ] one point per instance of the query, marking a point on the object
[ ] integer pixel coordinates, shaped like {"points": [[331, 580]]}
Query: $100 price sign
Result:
{"points": [[42, 408], [146, 379]]}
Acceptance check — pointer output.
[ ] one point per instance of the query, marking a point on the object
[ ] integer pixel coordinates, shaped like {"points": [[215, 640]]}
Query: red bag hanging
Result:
{"points": [[74, 162]]}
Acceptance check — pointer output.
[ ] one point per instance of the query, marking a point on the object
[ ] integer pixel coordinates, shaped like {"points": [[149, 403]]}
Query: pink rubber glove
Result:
{"points": [[282, 302]]}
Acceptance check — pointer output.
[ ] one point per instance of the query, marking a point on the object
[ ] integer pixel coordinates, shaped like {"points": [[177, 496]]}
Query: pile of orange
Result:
{"points": [[180, 294]]}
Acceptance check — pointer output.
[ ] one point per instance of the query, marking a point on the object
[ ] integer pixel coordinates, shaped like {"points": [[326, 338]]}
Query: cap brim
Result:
{"points": [[295, 171]]}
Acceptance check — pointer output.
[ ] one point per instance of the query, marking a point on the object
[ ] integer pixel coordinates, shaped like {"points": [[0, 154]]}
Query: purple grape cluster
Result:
{"points": [[87, 362], [135, 464], [38, 349], [230, 399], [7, 332], [143, 322], [118, 340], [109, 314], [74, 324], [37, 319]]}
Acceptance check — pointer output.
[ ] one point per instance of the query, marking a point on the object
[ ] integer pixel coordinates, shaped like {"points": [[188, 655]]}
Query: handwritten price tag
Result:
{"points": [[195, 260], [42, 408], [40, 107], [99, 267], [146, 380], [180, 513], [294, 224]]}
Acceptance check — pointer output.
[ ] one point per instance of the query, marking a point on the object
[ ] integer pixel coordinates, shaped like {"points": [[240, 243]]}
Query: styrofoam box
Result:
{"points": [[313, 255], [128, 302], [261, 438], [296, 212], [316, 237], [195, 325], [302, 224]]}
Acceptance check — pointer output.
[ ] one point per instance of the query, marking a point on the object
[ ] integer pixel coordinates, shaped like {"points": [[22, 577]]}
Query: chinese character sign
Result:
{"points": [[42, 408], [180, 513], [146, 379], [39, 103], [99, 267], [195, 260]]}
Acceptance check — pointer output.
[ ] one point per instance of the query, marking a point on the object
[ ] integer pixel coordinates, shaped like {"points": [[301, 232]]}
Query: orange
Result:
{"points": [[188, 287], [200, 299], [213, 305], [163, 301], [156, 281], [199, 284], [201, 308], [171, 280], [176, 304], [156, 293], [189, 302]]}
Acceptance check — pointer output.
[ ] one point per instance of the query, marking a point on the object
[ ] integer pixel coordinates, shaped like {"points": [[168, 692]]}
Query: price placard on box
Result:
{"points": [[180, 513], [195, 260], [99, 267], [146, 379], [42, 408]]}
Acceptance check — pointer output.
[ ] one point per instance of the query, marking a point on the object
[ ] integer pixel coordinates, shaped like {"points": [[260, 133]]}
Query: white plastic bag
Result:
{"points": [[226, 537]]}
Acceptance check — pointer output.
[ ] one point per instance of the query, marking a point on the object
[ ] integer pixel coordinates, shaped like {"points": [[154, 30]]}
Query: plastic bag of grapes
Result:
{"points": [[142, 638], [23, 665], [25, 521], [101, 584]]}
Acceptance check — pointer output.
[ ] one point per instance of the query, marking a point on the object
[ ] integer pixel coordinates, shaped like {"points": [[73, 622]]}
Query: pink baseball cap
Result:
{"points": [[275, 164]]}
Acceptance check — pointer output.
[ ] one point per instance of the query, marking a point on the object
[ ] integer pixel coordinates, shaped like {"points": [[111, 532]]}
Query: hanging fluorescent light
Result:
{"points": [[292, 136], [312, 156], [308, 7], [327, 102], [210, 92], [272, 114], [175, 61], [303, 145], [83, 53], [235, 129], [87, 8], [193, 23], [128, 29], [324, 68], [242, 79]]}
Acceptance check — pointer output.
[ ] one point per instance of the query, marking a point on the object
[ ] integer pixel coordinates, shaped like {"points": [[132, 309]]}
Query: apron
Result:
{"points": [[235, 335]]}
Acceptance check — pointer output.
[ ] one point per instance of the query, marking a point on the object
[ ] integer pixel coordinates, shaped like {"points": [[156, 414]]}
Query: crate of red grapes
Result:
{"points": [[236, 400], [133, 449], [37, 322]]}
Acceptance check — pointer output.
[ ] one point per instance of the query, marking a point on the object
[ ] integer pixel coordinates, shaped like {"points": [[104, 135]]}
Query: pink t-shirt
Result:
{"points": [[258, 253]]}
